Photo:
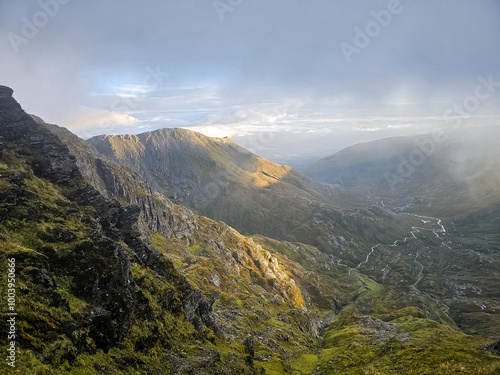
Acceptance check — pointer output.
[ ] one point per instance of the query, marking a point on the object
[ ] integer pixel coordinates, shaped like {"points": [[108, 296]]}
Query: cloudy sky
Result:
{"points": [[289, 79]]}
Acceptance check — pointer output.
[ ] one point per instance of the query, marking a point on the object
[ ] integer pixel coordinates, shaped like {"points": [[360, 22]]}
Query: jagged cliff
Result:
{"points": [[43, 185], [156, 213]]}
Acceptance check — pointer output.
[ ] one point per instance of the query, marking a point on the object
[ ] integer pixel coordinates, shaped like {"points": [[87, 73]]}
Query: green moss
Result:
{"points": [[195, 249], [407, 312], [430, 348], [274, 367], [64, 286]]}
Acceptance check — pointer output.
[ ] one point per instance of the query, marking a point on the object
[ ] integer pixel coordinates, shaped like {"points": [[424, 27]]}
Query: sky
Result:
{"points": [[290, 80]]}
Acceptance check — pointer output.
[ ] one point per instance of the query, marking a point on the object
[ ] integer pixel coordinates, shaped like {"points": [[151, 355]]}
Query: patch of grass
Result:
{"points": [[64, 286], [304, 363]]}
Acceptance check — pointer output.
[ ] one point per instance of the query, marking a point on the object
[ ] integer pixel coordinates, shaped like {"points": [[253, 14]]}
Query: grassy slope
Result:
{"points": [[398, 337], [50, 299]]}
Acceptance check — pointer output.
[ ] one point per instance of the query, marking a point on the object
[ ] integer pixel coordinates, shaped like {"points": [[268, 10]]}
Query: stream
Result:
{"points": [[429, 221]]}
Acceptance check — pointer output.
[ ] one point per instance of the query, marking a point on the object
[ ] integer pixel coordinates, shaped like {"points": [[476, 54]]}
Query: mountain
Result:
{"points": [[219, 179], [113, 277], [453, 177], [90, 241], [453, 173], [375, 229]]}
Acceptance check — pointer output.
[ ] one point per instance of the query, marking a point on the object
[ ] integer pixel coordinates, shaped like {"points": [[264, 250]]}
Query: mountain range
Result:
{"points": [[170, 252]]}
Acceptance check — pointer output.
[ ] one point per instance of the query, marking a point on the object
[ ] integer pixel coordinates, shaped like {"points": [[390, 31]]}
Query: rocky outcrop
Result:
{"points": [[380, 331], [51, 158], [493, 348], [239, 254]]}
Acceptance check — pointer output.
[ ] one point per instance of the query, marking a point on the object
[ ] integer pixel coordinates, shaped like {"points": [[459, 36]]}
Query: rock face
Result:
{"points": [[5, 92], [52, 159], [493, 348], [218, 179]]}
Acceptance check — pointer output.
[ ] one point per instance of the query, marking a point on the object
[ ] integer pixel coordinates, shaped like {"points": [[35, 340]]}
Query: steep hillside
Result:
{"points": [[218, 178]]}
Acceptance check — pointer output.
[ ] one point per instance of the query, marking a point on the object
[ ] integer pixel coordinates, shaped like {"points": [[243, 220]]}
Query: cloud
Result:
{"points": [[130, 90], [88, 120], [376, 129], [269, 68]]}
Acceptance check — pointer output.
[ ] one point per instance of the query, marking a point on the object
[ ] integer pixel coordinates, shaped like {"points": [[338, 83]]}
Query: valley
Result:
{"points": [[172, 252]]}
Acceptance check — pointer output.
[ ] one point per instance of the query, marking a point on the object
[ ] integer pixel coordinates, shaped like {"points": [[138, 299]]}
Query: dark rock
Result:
{"points": [[50, 157], [199, 310], [40, 277], [250, 348], [5, 92], [493, 348], [128, 217]]}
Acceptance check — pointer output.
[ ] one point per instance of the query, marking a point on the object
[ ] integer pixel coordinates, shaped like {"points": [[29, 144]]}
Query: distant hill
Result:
{"points": [[457, 176]]}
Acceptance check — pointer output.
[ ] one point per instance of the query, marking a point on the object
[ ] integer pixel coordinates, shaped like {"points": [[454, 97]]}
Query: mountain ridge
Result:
{"points": [[365, 230], [130, 269], [226, 182]]}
